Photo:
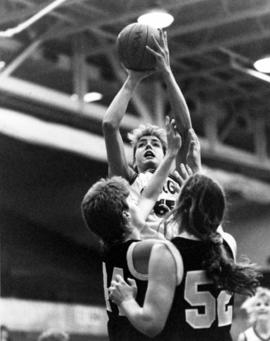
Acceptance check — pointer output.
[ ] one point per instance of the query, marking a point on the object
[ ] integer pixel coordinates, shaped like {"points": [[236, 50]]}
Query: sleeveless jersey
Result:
{"points": [[165, 202], [200, 312], [251, 335], [118, 260]]}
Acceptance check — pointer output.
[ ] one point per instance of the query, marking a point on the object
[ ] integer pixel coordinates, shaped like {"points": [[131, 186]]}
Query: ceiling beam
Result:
{"points": [[58, 100], [16, 62], [123, 18], [57, 136], [226, 19], [218, 152]]}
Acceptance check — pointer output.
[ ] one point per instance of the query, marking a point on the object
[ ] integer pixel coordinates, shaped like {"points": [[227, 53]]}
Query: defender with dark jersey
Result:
{"points": [[192, 278], [119, 260], [200, 312]]}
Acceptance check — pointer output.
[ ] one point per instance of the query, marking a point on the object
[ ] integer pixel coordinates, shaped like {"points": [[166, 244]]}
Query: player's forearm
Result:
{"points": [[156, 182], [151, 192], [118, 106], [139, 318], [178, 103]]}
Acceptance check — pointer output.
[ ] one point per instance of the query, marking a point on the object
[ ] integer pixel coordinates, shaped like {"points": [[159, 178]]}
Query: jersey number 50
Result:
{"points": [[214, 308]]}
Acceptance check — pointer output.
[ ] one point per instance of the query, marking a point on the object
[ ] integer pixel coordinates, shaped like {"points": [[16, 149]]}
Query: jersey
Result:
{"points": [[165, 202], [199, 311], [118, 260], [251, 335]]}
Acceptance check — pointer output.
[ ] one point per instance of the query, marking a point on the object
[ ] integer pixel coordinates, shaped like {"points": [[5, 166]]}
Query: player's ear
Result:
{"points": [[126, 214]]}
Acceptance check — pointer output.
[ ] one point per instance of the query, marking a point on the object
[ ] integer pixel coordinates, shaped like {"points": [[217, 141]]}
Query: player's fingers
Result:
{"points": [[113, 283], [173, 124], [193, 136], [189, 170], [132, 282], [161, 37], [178, 177], [157, 44], [183, 171], [165, 42], [119, 279], [165, 38], [153, 52]]}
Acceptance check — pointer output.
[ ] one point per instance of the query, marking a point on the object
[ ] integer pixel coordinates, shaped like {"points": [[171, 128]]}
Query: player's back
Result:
{"points": [[200, 311], [118, 260]]}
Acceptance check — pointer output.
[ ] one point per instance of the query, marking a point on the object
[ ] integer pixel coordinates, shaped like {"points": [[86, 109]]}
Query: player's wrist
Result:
{"points": [[171, 154], [125, 302], [131, 83], [167, 73]]}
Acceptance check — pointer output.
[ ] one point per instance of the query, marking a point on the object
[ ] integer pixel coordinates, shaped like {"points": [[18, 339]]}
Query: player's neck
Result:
{"points": [[134, 234], [262, 328]]}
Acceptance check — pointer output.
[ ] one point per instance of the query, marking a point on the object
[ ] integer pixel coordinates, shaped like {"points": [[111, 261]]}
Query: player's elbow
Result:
{"points": [[153, 329], [109, 125]]}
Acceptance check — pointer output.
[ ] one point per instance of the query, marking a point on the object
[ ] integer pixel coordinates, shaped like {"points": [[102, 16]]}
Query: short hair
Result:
{"points": [[53, 335], [250, 303], [147, 130], [102, 209]]}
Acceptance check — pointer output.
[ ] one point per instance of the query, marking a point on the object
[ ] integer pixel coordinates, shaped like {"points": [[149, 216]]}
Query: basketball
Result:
{"points": [[131, 46]]}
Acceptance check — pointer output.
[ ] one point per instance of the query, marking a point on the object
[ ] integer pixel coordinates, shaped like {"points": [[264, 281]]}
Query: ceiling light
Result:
{"points": [[89, 97], [263, 65], [92, 97], [2, 64], [156, 18]]}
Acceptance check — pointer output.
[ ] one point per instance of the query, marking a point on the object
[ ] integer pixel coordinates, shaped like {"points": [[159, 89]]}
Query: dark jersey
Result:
{"points": [[200, 312], [118, 260]]}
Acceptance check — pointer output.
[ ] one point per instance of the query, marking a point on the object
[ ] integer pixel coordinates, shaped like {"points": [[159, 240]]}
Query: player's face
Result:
{"points": [[133, 218], [262, 308], [149, 153]]}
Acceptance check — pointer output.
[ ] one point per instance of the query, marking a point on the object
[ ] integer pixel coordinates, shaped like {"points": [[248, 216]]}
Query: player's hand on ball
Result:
{"points": [[161, 52]]}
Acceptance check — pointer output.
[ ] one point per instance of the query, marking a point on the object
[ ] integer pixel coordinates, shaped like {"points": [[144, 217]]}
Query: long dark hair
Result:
{"points": [[199, 211]]}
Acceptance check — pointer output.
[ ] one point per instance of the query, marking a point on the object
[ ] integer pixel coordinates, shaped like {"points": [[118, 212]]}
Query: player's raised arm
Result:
{"points": [[178, 103], [117, 160], [154, 187]]}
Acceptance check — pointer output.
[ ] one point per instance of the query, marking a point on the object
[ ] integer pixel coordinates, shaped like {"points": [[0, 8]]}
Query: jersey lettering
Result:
{"points": [[213, 308], [116, 271], [169, 187], [163, 206]]}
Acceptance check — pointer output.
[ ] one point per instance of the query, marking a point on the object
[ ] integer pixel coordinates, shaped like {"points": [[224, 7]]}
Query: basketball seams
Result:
{"points": [[132, 42], [144, 50], [144, 56], [123, 42], [126, 48], [131, 55], [129, 49]]}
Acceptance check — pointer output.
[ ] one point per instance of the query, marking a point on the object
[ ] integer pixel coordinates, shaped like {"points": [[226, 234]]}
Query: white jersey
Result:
{"points": [[251, 335], [166, 200]]}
